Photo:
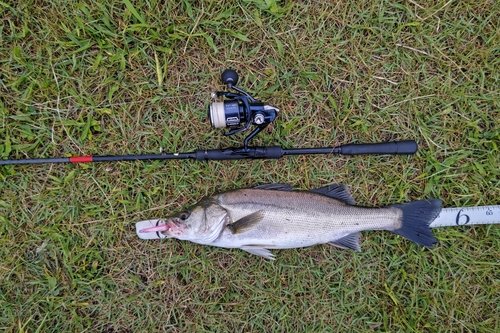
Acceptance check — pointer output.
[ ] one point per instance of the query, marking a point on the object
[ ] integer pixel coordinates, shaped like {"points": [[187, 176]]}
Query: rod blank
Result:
{"points": [[274, 152]]}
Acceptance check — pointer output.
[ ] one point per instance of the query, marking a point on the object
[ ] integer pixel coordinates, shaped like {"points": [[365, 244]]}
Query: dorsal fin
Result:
{"points": [[275, 187], [336, 191]]}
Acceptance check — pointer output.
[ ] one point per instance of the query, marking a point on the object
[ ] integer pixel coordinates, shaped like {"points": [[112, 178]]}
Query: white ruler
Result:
{"points": [[452, 217]]}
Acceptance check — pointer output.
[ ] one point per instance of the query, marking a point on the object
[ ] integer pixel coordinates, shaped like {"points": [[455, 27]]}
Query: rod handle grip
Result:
{"points": [[408, 147]]}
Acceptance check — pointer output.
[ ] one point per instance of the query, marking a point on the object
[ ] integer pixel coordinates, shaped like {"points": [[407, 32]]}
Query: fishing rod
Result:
{"points": [[238, 111]]}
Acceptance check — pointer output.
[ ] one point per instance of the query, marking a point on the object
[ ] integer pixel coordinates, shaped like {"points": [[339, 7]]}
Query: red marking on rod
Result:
{"points": [[81, 159]]}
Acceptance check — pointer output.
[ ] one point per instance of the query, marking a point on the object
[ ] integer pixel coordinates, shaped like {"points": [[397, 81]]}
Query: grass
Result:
{"points": [[134, 76]]}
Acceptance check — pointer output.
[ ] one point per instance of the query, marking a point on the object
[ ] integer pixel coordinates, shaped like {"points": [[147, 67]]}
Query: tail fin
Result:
{"points": [[417, 216]]}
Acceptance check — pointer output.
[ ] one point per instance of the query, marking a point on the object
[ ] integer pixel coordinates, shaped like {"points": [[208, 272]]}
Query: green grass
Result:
{"points": [[134, 77]]}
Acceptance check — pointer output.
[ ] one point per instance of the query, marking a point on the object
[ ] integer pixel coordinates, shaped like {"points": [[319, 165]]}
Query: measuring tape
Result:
{"points": [[449, 217], [452, 217]]}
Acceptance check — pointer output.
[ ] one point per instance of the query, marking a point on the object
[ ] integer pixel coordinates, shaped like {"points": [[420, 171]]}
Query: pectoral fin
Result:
{"points": [[349, 242], [246, 223], [258, 250]]}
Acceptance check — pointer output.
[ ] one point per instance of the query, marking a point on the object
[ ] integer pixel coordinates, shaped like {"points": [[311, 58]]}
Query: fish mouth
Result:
{"points": [[169, 228]]}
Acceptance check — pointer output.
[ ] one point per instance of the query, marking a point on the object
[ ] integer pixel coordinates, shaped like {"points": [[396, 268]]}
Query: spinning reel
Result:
{"points": [[240, 110]]}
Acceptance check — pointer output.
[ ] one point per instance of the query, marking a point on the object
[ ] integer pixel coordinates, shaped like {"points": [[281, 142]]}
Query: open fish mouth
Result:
{"points": [[154, 229], [157, 228], [145, 225]]}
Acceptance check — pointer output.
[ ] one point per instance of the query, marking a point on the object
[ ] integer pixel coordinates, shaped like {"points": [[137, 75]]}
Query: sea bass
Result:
{"points": [[273, 216]]}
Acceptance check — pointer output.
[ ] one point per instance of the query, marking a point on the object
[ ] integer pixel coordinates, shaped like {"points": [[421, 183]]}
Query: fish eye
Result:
{"points": [[184, 216]]}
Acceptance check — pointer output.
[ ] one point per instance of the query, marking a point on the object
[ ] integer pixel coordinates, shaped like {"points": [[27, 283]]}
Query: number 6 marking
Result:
{"points": [[460, 215]]}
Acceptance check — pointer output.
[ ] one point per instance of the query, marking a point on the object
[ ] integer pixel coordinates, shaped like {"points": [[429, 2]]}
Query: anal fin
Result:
{"points": [[349, 242]]}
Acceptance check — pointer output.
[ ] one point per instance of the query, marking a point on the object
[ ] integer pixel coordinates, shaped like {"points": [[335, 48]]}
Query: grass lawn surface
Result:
{"points": [[135, 76]]}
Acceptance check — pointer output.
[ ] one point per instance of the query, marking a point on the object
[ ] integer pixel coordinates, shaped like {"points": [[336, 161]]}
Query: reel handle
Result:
{"points": [[229, 77]]}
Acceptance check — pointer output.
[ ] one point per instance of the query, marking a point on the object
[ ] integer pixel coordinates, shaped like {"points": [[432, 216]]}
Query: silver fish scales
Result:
{"points": [[273, 216]]}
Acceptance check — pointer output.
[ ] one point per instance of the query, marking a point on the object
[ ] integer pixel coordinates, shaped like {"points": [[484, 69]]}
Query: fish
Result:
{"points": [[275, 216]]}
